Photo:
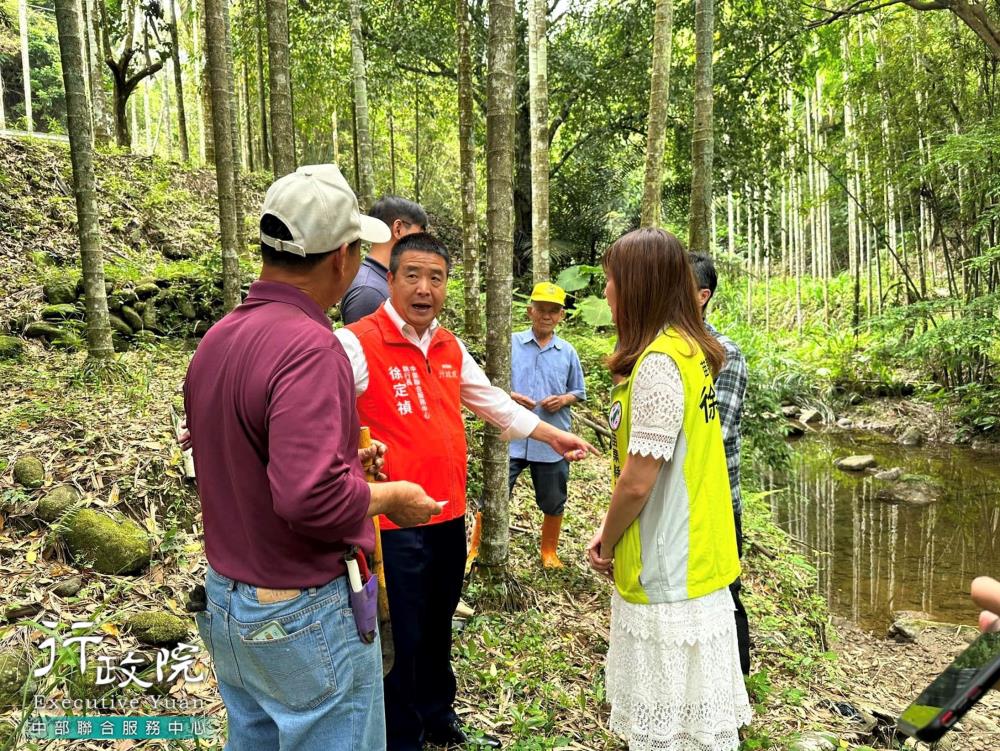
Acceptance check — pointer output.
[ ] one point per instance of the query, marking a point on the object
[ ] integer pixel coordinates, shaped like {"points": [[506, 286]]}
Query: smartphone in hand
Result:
{"points": [[955, 691]]}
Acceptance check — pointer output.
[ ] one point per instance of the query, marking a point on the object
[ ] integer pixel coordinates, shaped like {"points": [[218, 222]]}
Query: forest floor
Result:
{"points": [[533, 677]]}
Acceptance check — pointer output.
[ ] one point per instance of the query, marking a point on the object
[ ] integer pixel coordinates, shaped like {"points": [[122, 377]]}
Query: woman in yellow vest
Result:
{"points": [[668, 540]]}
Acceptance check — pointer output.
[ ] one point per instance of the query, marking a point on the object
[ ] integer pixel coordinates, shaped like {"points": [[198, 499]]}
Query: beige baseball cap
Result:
{"points": [[320, 210]]}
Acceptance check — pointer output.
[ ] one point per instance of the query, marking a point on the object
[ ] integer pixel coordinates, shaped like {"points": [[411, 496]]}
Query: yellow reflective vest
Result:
{"points": [[683, 543]]}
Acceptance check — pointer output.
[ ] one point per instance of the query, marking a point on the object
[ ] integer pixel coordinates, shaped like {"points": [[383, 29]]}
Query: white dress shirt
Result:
{"points": [[477, 393]]}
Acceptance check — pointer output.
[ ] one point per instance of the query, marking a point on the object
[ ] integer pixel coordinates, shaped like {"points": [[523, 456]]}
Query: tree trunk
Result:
{"points": [[163, 116], [198, 64], [538, 87], [234, 134], [123, 136], [98, 94], [499, 277], [147, 116], [703, 138], [99, 344], [22, 17], [354, 139], [366, 186], [730, 219], [335, 136], [249, 116], [178, 81], [265, 146], [131, 121], [87, 57], [208, 118], [467, 159], [3, 111], [392, 153], [282, 125], [416, 141], [217, 48], [659, 95]]}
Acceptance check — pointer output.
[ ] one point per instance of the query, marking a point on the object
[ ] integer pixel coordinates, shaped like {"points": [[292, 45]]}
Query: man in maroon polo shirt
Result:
{"points": [[270, 404]]}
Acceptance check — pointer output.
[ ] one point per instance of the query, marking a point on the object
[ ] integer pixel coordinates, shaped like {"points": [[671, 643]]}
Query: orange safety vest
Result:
{"points": [[413, 405]]}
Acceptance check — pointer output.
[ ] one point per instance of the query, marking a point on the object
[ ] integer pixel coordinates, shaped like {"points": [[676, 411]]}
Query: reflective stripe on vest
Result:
{"points": [[413, 405], [683, 543]]}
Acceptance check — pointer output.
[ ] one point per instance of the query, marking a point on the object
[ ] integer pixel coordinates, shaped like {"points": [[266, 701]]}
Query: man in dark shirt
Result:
{"points": [[270, 404], [370, 287], [730, 390]]}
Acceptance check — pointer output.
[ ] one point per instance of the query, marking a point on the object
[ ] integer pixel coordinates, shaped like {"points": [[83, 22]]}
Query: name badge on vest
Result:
{"points": [[448, 371], [407, 392]]}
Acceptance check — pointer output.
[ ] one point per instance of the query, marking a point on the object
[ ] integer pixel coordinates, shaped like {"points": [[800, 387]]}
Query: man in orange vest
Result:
{"points": [[412, 377]]}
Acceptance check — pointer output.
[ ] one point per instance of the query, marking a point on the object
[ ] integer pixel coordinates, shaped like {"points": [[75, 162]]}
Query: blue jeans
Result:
{"points": [[318, 688]]}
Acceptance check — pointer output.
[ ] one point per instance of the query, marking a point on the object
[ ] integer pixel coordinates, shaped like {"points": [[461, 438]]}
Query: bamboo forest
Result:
{"points": [[292, 293]]}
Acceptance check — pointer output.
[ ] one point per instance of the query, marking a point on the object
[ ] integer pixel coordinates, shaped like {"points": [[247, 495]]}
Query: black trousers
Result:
{"points": [[424, 569], [549, 480], [742, 622]]}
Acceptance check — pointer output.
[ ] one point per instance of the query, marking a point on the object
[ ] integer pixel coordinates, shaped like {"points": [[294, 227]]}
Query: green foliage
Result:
{"points": [[979, 407], [47, 100], [594, 312], [575, 278]]}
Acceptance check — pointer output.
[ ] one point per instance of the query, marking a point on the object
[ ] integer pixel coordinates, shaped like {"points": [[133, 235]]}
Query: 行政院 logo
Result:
{"points": [[615, 415]]}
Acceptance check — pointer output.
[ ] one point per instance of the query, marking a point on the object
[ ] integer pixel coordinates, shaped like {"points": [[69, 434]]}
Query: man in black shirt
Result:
{"points": [[370, 288]]}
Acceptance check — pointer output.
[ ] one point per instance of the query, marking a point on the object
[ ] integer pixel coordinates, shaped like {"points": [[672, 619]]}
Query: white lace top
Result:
{"points": [[657, 407]]}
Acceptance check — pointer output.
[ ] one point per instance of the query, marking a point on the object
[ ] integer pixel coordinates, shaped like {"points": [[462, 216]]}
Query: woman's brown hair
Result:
{"points": [[655, 289]]}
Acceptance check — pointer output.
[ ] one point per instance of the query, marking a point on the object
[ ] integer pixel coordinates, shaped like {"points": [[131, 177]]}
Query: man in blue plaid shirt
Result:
{"points": [[730, 388]]}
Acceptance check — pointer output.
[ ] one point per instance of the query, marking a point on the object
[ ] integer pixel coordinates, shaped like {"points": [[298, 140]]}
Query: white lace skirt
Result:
{"points": [[673, 675]]}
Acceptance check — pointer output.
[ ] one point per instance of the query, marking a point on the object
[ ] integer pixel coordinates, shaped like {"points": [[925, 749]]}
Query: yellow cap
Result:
{"points": [[548, 292]]}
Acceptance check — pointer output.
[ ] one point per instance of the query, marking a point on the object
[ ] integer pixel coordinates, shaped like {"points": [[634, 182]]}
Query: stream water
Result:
{"points": [[876, 557]]}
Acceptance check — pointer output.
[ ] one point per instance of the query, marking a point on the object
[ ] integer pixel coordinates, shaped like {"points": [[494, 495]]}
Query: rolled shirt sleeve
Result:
{"points": [[494, 404], [356, 354], [311, 415]]}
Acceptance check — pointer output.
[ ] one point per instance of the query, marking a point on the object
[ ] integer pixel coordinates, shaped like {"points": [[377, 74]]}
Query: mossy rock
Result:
{"points": [[147, 290], [157, 629], [122, 297], [84, 685], [57, 502], [15, 672], [11, 348], [150, 320], [118, 326], [110, 546], [815, 741], [60, 312], [68, 587], [176, 251], [59, 292], [42, 330], [109, 285], [119, 343], [131, 317], [185, 307], [29, 472]]}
